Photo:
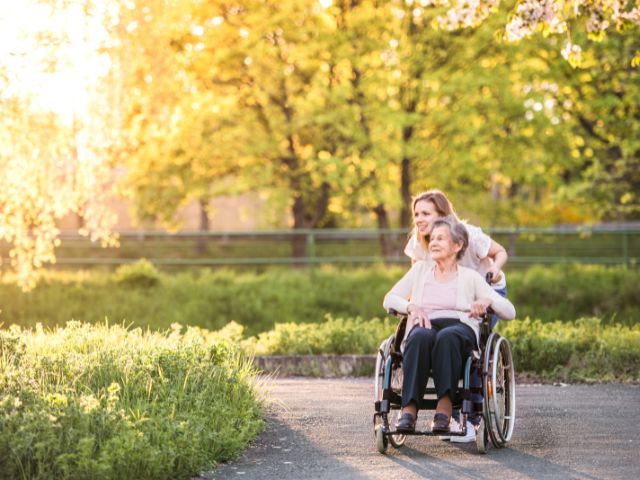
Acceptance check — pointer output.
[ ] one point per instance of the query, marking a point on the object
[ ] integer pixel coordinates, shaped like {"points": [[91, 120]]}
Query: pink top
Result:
{"points": [[439, 296]]}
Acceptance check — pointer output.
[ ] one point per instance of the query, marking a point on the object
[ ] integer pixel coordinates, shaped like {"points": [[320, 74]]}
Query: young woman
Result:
{"points": [[483, 254]]}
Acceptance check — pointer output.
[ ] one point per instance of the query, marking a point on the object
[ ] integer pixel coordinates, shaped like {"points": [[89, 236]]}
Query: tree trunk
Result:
{"points": [[405, 193], [298, 242], [201, 245], [386, 243]]}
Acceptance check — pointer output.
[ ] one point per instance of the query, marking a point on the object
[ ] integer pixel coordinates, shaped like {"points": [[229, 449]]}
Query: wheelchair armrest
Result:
{"points": [[395, 313], [399, 335], [400, 328]]}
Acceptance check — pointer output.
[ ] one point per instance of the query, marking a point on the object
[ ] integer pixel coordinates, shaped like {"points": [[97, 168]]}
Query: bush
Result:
{"points": [[138, 274], [211, 299], [583, 350], [568, 292], [101, 402], [336, 336]]}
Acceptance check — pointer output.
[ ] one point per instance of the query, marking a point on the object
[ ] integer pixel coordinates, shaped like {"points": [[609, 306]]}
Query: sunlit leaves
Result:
{"points": [[549, 17], [54, 134]]}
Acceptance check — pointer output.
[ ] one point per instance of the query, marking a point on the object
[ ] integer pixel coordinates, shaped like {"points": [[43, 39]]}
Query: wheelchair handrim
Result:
{"points": [[503, 351]]}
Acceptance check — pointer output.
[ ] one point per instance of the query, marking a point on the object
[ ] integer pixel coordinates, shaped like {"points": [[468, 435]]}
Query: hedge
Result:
{"points": [[141, 296], [103, 402]]}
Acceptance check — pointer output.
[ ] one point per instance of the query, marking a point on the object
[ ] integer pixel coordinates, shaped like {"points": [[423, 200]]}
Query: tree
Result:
{"points": [[591, 19], [52, 155], [598, 104]]}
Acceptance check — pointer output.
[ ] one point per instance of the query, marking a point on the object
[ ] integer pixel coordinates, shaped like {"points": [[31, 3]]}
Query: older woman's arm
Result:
{"points": [[398, 297]]}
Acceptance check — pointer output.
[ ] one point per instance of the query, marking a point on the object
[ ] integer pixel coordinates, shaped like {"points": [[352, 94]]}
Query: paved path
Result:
{"points": [[322, 429]]}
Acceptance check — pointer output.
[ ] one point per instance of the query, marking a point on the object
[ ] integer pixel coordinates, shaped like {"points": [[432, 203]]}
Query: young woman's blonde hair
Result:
{"points": [[442, 205]]}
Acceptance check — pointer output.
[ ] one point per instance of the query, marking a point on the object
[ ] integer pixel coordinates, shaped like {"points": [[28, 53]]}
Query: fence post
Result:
{"points": [[625, 248], [311, 249]]}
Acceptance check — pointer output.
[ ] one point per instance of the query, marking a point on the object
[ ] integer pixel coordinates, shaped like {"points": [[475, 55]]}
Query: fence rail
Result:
{"points": [[601, 244]]}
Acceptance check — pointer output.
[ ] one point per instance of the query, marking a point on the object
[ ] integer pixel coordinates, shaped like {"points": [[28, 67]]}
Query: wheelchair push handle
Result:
{"points": [[488, 277]]}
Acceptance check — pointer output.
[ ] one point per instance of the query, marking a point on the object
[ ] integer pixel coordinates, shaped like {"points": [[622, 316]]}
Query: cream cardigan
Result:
{"points": [[471, 286]]}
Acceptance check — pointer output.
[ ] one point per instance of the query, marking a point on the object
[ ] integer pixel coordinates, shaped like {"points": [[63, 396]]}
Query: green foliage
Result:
{"points": [[104, 402], [256, 301], [139, 274], [570, 291], [338, 336], [340, 112], [582, 350]]}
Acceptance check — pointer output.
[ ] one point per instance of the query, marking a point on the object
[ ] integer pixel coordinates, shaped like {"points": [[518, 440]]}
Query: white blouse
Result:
{"points": [[475, 257]]}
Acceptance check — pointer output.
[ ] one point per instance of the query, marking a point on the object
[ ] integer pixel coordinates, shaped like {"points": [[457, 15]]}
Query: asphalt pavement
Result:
{"points": [[323, 429]]}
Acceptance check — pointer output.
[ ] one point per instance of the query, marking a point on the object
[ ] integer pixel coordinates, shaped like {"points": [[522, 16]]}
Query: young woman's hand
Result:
{"points": [[496, 274], [417, 316], [479, 307]]}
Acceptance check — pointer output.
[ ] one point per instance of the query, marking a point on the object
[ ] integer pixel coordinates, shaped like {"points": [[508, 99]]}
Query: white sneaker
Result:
{"points": [[469, 437], [453, 428]]}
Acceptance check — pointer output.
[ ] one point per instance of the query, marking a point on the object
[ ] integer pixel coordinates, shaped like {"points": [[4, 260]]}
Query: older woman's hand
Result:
{"points": [[417, 316], [479, 307]]}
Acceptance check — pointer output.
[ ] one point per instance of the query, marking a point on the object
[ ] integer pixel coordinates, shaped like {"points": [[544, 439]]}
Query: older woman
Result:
{"points": [[443, 327]]}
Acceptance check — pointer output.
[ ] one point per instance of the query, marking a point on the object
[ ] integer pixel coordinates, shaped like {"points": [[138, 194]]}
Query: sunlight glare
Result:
{"points": [[50, 55]]}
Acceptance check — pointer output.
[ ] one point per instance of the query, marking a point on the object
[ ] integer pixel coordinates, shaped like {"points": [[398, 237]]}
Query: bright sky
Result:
{"points": [[66, 88]]}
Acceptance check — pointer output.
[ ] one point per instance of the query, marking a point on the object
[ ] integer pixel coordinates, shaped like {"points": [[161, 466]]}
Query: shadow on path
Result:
{"points": [[284, 453]]}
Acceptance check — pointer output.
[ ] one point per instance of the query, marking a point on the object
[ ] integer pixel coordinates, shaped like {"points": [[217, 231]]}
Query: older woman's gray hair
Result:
{"points": [[459, 234]]}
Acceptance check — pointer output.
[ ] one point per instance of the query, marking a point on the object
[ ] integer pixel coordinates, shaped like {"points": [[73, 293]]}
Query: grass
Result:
{"points": [[584, 350], [141, 296], [105, 402]]}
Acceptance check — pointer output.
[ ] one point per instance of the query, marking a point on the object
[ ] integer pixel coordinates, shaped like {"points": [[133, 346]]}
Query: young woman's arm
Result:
{"points": [[498, 254], [486, 296]]}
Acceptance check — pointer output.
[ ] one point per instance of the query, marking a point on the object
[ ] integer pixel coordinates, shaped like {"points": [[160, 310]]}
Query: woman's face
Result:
{"points": [[441, 244], [424, 214]]}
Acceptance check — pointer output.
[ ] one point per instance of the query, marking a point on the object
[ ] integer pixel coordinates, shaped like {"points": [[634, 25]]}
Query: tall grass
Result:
{"points": [[581, 350], [105, 402], [142, 296]]}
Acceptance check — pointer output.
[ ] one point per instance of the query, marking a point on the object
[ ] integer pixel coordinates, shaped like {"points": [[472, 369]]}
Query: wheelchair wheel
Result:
{"points": [[381, 440], [396, 440], [482, 438], [499, 390], [378, 374], [396, 385]]}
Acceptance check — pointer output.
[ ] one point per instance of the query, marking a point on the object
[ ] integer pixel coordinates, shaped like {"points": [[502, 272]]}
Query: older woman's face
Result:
{"points": [[424, 214], [441, 245]]}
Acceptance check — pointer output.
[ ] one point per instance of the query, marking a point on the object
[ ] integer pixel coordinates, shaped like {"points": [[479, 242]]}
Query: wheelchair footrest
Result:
{"points": [[425, 433]]}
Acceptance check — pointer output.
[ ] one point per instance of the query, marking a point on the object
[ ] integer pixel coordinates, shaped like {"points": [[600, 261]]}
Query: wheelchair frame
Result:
{"points": [[498, 405]]}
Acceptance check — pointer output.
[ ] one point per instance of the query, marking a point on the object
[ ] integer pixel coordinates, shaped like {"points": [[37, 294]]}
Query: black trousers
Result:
{"points": [[441, 351]]}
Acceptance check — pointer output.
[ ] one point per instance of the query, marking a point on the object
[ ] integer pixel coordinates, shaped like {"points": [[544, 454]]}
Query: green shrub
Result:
{"points": [[568, 292], [138, 274], [99, 402], [336, 336], [211, 299], [585, 349]]}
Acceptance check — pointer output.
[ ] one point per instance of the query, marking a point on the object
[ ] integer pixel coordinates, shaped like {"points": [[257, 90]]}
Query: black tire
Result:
{"points": [[499, 390], [482, 438], [396, 385], [381, 440]]}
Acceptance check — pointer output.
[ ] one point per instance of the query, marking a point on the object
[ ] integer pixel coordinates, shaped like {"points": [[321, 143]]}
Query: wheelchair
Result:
{"points": [[493, 362]]}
